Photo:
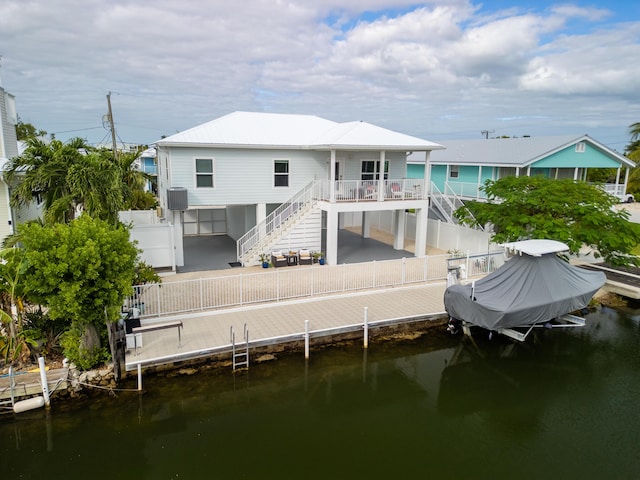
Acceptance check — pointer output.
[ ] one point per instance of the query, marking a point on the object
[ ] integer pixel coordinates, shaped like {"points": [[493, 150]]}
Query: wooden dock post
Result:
{"points": [[139, 377]]}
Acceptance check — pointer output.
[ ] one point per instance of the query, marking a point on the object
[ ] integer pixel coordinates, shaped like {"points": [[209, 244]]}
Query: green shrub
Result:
{"points": [[84, 359]]}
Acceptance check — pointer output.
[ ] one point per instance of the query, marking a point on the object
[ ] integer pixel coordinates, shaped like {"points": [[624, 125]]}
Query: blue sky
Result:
{"points": [[438, 70]]}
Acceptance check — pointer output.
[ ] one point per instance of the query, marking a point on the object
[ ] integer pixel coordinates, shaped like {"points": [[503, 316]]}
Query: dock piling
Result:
{"points": [[366, 327], [306, 339], [43, 380]]}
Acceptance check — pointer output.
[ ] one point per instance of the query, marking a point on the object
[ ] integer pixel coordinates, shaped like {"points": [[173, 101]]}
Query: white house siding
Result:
{"points": [[244, 177], [31, 211], [5, 228], [8, 121]]}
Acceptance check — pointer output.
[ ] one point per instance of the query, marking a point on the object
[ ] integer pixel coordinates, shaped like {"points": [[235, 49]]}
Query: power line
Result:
{"points": [[76, 130]]}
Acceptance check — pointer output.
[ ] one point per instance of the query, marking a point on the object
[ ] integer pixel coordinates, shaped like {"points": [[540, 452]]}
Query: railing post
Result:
{"points": [[201, 295], [403, 273], [344, 277], [158, 313], [373, 277]]}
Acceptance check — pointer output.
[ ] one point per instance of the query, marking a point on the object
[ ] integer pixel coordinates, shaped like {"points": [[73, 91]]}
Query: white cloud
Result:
{"points": [[443, 69]]}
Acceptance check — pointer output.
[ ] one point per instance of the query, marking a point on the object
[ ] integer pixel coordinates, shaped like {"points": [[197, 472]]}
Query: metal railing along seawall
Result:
{"points": [[278, 284]]}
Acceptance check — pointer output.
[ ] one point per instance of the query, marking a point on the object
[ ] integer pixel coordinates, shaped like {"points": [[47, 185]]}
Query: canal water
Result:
{"points": [[565, 404]]}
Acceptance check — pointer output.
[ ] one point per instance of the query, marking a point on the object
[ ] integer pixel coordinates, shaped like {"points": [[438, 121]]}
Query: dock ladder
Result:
{"points": [[240, 355]]}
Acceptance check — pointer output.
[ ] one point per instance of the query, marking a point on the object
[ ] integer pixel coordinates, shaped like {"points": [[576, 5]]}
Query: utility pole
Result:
{"points": [[113, 128], [486, 133]]}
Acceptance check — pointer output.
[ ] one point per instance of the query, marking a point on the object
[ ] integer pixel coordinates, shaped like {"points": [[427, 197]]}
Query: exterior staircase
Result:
{"points": [[445, 204], [283, 221]]}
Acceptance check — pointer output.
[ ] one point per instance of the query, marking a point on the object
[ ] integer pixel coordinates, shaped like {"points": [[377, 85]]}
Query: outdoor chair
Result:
{"points": [[278, 259], [396, 191], [304, 257]]}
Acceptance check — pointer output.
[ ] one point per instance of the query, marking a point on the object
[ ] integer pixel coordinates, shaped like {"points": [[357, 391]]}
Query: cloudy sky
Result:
{"points": [[442, 69]]}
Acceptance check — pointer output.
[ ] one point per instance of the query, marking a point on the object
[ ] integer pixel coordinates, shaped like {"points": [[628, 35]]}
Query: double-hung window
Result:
{"points": [[281, 173], [454, 171], [204, 173]]}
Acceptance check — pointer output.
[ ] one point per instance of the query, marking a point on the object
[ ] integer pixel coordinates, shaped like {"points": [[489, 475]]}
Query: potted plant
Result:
{"points": [[265, 259], [318, 258]]}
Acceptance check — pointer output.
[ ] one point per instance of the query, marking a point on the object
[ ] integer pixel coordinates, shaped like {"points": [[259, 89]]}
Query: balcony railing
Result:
{"points": [[372, 190]]}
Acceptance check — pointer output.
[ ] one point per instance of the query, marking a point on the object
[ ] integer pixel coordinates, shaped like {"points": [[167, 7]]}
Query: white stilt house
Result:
{"points": [[285, 182]]}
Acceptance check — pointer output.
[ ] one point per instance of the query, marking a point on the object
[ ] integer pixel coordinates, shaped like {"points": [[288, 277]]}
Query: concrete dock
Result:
{"points": [[207, 333]]}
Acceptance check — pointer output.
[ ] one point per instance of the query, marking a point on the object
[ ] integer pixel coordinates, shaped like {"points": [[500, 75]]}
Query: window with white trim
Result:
{"points": [[454, 171], [581, 147], [281, 173], [370, 170], [204, 173]]}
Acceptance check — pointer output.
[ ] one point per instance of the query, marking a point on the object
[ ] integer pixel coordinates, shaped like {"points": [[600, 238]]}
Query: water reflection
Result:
{"points": [[563, 403]]}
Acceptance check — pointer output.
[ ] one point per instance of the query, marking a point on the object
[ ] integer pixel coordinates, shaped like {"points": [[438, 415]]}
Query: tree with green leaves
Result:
{"points": [[27, 130], [575, 213], [72, 176], [632, 151], [15, 340], [80, 271]]}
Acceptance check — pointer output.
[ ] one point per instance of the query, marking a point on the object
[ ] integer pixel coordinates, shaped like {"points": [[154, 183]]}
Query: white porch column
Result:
{"points": [[261, 215], [332, 177], [399, 219], [381, 176], [366, 225], [575, 174], [626, 179], [427, 174], [517, 171], [421, 232], [617, 177], [261, 212], [332, 237]]}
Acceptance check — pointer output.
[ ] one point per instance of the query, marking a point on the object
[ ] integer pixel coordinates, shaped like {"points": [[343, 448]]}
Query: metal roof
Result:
{"points": [[512, 152], [276, 130]]}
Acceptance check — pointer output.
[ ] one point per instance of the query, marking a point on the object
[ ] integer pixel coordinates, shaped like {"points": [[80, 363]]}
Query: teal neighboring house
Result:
{"points": [[466, 164]]}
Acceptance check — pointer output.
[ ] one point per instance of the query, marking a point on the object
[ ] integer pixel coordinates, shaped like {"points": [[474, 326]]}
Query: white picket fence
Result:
{"points": [[286, 283]]}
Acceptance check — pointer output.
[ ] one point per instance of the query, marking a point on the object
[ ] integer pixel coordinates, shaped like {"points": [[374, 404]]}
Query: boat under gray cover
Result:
{"points": [[524, 291]]}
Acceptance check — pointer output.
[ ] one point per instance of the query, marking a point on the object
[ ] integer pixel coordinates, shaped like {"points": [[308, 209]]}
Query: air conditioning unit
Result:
{"points": [[177, 198]]}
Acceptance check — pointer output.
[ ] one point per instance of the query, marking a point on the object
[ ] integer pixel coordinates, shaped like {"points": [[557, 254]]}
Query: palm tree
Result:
{"points": [[74, 176], [133, 183], [633, 152], [43, 169]]}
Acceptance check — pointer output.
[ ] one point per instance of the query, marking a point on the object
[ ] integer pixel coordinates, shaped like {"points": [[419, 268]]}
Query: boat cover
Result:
{"points": [[524, 291]]}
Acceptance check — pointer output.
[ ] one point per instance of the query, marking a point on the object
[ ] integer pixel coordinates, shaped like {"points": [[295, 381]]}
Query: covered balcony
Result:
{"points": [[355, 191]]}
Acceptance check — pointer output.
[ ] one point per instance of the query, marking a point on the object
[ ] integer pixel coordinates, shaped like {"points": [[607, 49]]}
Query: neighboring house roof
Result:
{"points": [[512, 152], [275, 130]]}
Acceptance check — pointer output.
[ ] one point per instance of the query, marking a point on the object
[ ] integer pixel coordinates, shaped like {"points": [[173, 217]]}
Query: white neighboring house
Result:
{"points": [[280, 181], [8, 150]]}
